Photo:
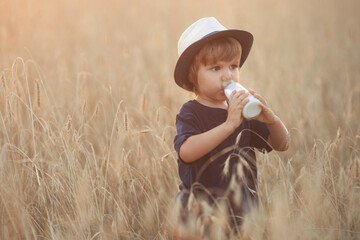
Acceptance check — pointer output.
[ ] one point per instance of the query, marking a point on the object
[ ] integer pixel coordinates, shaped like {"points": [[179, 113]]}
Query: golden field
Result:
{"points": [[88, 105]]}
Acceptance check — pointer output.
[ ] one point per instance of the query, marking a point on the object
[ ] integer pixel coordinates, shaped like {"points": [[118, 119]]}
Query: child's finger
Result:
{"points": [[244, 101], [232, 94], [241, 97], [235, 93], [262, 106], [261, 99], [238, 96], [256, 95]]}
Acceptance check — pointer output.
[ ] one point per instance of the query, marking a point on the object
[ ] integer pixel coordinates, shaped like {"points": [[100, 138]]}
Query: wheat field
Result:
{"points": [[88, 105]]}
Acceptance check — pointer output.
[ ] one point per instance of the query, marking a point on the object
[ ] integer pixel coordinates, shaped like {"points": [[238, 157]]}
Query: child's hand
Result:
{"points": [[237, 101], [266, 116]]}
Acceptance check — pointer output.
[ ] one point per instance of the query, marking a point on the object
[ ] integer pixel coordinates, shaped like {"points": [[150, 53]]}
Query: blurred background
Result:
{"points": [[88, 105]]}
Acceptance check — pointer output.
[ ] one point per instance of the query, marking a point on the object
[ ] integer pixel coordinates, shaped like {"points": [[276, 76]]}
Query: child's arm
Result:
{"points": [[279, 136], [198, 145]]}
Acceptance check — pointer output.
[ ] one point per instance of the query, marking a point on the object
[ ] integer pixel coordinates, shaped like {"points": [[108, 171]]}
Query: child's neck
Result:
{"points": [[219, 104]]}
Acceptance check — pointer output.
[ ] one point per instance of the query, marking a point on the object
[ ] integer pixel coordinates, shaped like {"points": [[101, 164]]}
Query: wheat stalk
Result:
{"points": [[37, 91], [3, 81], [126, 126]]}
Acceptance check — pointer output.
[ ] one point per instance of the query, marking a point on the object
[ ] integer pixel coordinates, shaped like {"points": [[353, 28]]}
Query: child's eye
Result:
{"points": [[215, 68], [234, 66]]}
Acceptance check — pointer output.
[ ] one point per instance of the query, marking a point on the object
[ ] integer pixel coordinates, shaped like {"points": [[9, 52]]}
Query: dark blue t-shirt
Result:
{"points": [[208, 171]]}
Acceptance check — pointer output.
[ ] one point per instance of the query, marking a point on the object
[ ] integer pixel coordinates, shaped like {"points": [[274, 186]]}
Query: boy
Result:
{"points": [[214, 143]]}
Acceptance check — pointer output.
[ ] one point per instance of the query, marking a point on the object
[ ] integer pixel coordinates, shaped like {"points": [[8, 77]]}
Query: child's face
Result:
{"points": [[210, 78]]}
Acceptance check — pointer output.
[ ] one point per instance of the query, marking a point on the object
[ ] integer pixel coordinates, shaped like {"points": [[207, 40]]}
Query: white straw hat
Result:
{"points": [[195, 36]]}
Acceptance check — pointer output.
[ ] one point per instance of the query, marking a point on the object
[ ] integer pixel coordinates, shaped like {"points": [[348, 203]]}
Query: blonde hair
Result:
{"points": [[220, 49]]}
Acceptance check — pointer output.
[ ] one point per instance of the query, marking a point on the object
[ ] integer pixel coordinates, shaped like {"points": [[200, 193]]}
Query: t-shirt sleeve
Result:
{"points": [[259, 136], [187, 125]]}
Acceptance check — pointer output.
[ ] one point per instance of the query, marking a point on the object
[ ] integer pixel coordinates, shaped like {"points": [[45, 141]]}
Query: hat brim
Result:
{"points": [[183, 64]]}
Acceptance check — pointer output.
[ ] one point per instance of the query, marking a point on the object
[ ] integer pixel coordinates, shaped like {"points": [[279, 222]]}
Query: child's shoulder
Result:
{"points": [[190, 105], [198, 108]]}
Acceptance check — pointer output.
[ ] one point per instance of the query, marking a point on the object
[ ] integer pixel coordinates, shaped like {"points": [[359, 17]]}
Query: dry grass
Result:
{"points": [[88, 102]]}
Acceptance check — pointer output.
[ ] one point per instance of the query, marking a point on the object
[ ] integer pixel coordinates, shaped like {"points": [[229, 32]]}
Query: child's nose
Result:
{"points": [[226, 76]]}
